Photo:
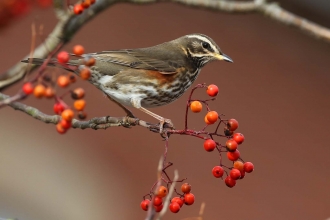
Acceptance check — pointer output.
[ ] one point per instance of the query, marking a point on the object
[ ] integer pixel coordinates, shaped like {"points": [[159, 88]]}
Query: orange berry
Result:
{"points": [[85, 73], [39, 91], [63, 81], [86, 4], [67, 114], [239, 165], [78, 9], [206, 121], [212, 116], [60, 129], [79, 105], [196, 106], [49, 92], [78, 50], [162, 191]]}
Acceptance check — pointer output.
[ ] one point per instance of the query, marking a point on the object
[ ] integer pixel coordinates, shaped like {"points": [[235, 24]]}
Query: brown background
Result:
{"points": [[277, 87]]}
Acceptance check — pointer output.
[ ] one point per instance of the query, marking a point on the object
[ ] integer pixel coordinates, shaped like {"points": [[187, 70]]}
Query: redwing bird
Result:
{"points": [[149, 77]]}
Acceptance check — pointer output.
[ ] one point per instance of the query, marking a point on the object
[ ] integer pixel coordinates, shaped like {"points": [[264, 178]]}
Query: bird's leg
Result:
{"points": [[128, 112], [137, 104]]}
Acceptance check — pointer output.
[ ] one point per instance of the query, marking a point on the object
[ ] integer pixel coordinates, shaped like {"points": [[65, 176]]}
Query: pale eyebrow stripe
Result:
{"points": [[204, 39]]}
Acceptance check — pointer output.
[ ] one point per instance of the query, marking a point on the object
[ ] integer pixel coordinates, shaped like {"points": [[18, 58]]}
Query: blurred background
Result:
{"points": [[277, 88]]}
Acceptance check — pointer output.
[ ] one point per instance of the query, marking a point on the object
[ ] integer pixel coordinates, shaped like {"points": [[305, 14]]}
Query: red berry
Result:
{"points": [[248, 167], [186, 188], [230, 182], [78, 9], [189, 198], [233, 155], [28, 88], [217, 171], [239, 138], [158, 201], [231, 145], [58, 108], [242, 174], [175, 207], [209, 145], [60, 129], [145, 204], [212, 90], [178, 200], [65, 124], [158, 208], [235, 174], [232, 124], [63, 57]]}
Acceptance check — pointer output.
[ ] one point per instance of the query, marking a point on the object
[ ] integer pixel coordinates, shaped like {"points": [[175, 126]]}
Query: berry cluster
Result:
{"points": [[238, 170], [46, 87], [11, 9], [176, 203], [80, 7]]}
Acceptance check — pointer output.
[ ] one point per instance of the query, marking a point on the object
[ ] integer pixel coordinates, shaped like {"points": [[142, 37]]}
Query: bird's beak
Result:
{"points": [[223, 57]]}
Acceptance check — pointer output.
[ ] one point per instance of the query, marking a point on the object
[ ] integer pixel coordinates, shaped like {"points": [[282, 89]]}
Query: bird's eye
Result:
{"points": [[206, 45]]}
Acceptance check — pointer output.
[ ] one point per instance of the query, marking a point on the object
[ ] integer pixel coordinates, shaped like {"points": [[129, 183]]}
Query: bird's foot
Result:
{"points": [[165, 124]]}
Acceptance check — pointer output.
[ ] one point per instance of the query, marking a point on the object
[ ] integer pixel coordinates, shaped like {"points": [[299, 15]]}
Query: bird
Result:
{"points": [[149, 77]]}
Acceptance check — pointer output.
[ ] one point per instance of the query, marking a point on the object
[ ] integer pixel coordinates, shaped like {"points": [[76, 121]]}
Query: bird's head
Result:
{"points": [[202, 49]]}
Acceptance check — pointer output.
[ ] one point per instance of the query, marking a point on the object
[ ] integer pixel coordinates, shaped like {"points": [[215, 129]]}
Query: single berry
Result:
{"points": [[217, 171], [67, 114], [39, 91], [85, 73], [212, 90], [63, 81], [209, 145], [65, 124], [175, 207], [78, 9], [49, 92], [145, 204], [239, 138], [63, 57], [248, 167], [86, 4], [233, 155], [212, 116], [178, 200], [235, 174], [230, 182], [196, 106], [162, 191], [158, 201], [82, 115], [27, 88], [189, 198], [58, 108], [72, 78], [60, 129], [78, 50], [79, 105], [186, 188], [239, 165], [232, 124], [78, 93], [158, 208], [231, 145]]}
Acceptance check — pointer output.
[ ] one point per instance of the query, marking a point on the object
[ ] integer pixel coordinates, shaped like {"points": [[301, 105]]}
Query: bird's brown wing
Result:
{"points": [[137, 60]]}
